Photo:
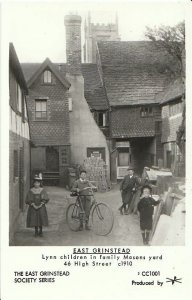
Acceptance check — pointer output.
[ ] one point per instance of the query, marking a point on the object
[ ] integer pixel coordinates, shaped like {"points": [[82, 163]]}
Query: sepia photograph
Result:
{"points": [[97, 124]]}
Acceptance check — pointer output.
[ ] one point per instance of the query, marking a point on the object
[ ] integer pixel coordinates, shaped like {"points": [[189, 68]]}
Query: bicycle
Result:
{"points": [[101, 215]]}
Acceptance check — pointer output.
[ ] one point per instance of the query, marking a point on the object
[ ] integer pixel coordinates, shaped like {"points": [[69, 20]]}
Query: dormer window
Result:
{"points": [[47, 78], [146, 111]]}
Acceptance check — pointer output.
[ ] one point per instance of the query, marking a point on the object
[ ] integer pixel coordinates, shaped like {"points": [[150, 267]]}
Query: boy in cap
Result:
{"points": [[83, 187], [128, 187]]}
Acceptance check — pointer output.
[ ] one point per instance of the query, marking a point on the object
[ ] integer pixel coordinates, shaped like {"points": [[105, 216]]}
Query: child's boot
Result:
{"points": [[147, 238], [121, 210], [40, 231], [144, 239], [87, 225], [36, 231]]}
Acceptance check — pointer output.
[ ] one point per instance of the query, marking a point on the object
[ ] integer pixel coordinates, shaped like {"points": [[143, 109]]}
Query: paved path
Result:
{"points": [[125, 230]]}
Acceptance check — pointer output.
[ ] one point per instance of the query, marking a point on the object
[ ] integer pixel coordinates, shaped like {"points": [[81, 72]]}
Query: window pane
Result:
{"points": [[123, 159], [47, 76], [37, 105], [38, 114], [100, 119], [43, 105], [44, 115]]}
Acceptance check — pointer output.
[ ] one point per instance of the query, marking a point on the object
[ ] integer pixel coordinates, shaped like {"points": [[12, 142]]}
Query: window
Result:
{"points": [[47, 76], [146, 111], [41, 109], [96, 152], [70, 104], [123, 157], [15, 164], [25, 108], [101, 119], [19, 98]]}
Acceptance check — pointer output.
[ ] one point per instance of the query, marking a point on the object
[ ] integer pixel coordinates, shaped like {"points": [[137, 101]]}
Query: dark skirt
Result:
{"points": [[146, 222], [37, 217]]}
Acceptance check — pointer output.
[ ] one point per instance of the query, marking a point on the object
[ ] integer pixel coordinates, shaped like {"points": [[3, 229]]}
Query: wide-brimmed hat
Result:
{"points": [[130, 168], [37, 177]]}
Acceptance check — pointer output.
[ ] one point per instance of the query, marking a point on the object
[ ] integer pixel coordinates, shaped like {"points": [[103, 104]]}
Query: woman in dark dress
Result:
{"points": [[36, 199], [146, 209]]}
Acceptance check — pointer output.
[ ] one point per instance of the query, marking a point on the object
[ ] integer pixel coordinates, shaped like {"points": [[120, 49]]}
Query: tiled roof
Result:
{"points": [[134, 72], [48, 64], [16, 67], [94, 91], [173, 91], [126, 122]]}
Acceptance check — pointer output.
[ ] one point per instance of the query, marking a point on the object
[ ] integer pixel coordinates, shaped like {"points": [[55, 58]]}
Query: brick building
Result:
{"points": [[133, 74], [19, 151], [63, 98], [49, 119], [112, 108]]}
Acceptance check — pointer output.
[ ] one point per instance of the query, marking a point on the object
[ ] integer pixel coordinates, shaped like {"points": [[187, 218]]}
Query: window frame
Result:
{"points": [[40, 111], [19, 98], [15, 165], [147, 113], [47, 77]]}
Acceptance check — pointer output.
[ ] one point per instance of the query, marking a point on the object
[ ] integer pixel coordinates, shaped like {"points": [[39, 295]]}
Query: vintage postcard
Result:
{"points": [[95, 171]]}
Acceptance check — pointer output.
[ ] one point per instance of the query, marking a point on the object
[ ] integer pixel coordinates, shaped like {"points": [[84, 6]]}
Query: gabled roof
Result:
{"points": [[16, 67], [134, 72], [94, 91], [48, 64], [172, 92]]}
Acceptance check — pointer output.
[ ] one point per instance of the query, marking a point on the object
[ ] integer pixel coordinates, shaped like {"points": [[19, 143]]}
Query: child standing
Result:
{"points": [[37, 213], [146, 209], [82, 186]]}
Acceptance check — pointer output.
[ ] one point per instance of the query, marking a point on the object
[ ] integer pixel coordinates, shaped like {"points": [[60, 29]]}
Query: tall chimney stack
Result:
{"points": [[73, 43]]}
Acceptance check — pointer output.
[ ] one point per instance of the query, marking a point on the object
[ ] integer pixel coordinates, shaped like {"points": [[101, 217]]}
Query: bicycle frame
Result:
{"points": [[100, 215], [78, 201]]}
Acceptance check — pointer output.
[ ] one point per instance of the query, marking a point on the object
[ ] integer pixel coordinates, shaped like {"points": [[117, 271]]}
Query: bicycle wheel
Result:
{"points": [[102, 219], [72, 217]]}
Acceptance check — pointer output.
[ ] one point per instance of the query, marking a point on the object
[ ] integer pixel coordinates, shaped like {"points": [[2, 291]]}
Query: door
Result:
{"points": [[52, 159]]}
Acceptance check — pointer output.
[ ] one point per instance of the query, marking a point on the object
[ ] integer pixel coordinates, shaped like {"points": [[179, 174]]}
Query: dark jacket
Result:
{"points": [[146, 209], [146, 206], [128, 186]]}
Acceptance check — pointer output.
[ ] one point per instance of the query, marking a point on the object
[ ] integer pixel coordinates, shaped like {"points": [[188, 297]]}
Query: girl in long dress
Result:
{"points": [[37, 213]]}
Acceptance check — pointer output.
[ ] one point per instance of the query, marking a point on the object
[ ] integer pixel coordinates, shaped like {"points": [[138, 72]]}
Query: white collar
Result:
{"points": [[82, 180]]}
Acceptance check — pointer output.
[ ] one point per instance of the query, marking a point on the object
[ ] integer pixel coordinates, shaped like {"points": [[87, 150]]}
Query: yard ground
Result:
{"points": [[125, 230]]}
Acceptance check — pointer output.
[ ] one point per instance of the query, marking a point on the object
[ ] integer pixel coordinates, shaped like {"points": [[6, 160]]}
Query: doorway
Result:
{"points": [[52, 159]]}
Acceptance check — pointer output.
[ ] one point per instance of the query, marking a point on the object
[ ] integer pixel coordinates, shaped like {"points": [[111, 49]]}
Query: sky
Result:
{"points": [[37, 29]]}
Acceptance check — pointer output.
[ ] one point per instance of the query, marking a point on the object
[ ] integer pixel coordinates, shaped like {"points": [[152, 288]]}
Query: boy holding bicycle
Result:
{"points": [[84, 188]]}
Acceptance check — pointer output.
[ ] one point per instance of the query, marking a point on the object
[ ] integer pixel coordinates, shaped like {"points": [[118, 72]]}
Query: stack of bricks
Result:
{"points": [[96, 172]]}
